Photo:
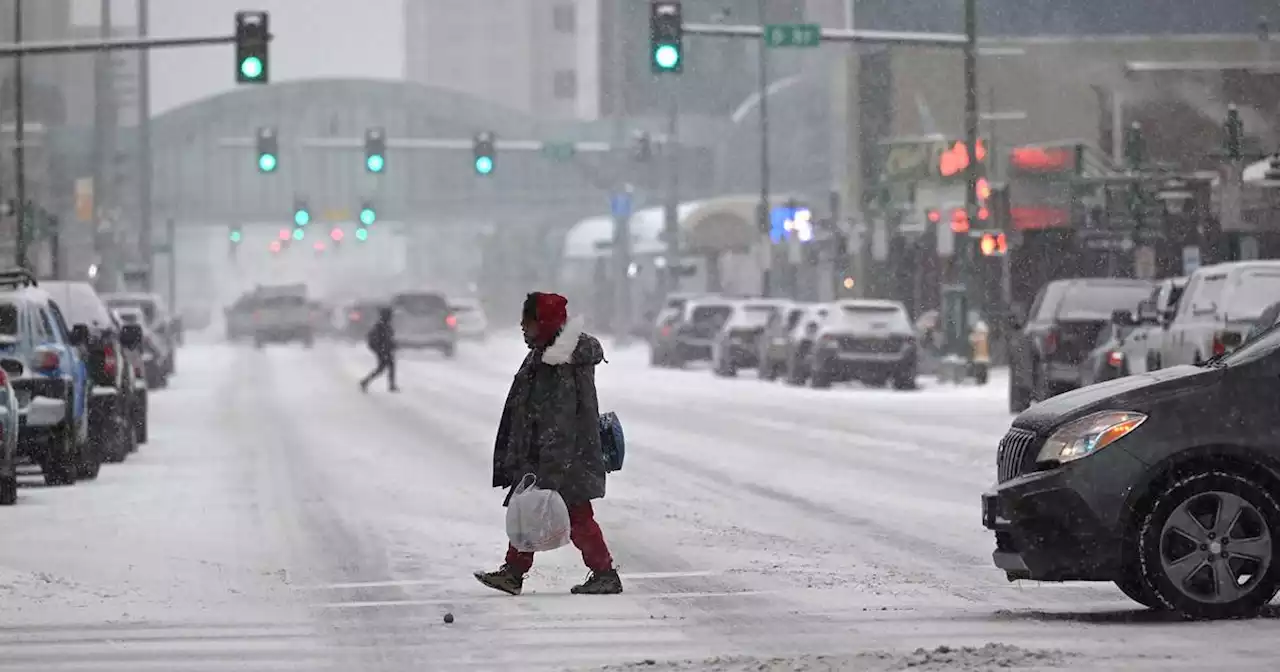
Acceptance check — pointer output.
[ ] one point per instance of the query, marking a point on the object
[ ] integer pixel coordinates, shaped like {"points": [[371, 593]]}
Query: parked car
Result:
{"points": [[688, 336], [152, 352], [1107, 360], [1165, 483], [423, 320], [113, 399], [1062, 327], [9, 424], [1219, 308], [871, 341], [473, 325], [158, 320], [49, 379], [737, 344], [801, 341], [775, 342]]}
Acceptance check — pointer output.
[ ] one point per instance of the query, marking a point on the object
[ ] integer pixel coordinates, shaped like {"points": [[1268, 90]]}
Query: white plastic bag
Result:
{"points": [[537, 519]]}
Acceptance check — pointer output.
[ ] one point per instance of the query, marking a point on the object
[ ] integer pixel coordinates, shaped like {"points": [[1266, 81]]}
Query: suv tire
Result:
{"points": [[1252, 520]]}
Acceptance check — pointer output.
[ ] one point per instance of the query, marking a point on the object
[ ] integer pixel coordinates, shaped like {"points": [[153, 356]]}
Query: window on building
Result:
{"points": [[565, 84], [564, 18]]}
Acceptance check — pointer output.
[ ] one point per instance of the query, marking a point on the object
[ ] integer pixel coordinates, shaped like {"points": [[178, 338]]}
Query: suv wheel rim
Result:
{"points": [[1215, 547]]}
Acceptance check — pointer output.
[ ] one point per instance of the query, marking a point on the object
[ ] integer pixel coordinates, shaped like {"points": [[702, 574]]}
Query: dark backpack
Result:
{"points": [[612, 441]]}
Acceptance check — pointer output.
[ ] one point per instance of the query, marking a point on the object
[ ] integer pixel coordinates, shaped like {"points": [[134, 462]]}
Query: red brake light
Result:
{"points": [[666, 330], [354, 316], [1050, 342], [4, 380], [452, 321], [109, 361], [48, 361], [1115, 359], [1219, 348]]}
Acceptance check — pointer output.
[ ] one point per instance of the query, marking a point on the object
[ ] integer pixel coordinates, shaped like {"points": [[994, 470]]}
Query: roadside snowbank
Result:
{"points": [[989, 657]]}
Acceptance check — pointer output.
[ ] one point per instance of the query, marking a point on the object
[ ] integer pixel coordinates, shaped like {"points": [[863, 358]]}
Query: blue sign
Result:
{"points": [[620, 205], [786, 221]]}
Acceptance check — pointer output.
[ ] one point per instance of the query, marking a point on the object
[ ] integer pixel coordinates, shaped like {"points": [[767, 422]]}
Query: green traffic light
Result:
{"points": [[266, 162], [375, 163], [251, 67], [301, 218], [666, 56], [362, 234], [235, 236], [368, 216], [299, 234], [484, 165]]}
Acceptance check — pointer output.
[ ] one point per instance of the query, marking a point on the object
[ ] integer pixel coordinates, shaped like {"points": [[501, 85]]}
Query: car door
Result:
{"points": [[72, 365]]}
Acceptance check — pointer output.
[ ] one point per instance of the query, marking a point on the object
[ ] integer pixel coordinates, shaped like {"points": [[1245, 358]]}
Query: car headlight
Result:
{"points": [[1086, 436]]}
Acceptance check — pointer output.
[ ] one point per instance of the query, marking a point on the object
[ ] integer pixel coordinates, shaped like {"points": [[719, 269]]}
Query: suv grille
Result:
{"points": [[1011, 458]]}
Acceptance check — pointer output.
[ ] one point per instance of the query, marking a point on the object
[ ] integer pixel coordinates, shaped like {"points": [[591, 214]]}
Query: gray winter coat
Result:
{"points": [[550, 422]]}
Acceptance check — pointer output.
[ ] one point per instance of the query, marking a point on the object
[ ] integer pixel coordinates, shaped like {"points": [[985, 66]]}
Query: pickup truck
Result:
{"points": [[283, 319]]}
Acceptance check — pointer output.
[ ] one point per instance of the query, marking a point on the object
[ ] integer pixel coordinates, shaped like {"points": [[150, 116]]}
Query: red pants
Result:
{"points": [[583, 532]]}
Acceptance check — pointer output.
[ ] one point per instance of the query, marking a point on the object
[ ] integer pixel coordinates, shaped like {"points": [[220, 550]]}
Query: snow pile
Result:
{"points": [[972, 659]]}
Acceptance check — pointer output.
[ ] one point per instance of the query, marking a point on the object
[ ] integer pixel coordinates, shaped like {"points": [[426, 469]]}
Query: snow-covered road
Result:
{"points": [[279, 519]]}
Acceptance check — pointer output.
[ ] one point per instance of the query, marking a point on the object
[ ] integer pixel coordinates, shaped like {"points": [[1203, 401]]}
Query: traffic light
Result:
{"points": [[362, 234], [993, 244], [234, 235], [666, 37], [1234, 128], [375, 150], [268, 150], [275, 246], [301, 218], [484, 153], [368, 215], [251, 47], [337, 235]]}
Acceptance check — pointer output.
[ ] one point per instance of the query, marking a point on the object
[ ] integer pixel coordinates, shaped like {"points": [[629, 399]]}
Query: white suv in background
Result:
{"points": [[471, 320]]}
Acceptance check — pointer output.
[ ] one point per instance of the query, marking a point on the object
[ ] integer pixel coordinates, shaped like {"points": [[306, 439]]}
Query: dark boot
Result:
{"points": [[599, 583], [506, 579]]}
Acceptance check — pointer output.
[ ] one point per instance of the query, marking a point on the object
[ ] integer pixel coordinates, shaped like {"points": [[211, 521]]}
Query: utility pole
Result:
{"points": [[763, 209], [964, 251], [144, 146], [101, 63], [19, 150], [671, 200]]}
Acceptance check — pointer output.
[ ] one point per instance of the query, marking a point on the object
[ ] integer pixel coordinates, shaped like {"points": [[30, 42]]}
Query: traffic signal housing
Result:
{"points": [[485, 156], [368, 214], [252, 36], [666, 37], [235, 235], [268, 150], [301, 218], [375, 150], [993, 244]]}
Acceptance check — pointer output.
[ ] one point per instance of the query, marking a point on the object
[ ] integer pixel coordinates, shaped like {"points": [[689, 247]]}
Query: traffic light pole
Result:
{"points": [[763, 209], [19, 151], [144, 147], [964, 253], [671, 197]]}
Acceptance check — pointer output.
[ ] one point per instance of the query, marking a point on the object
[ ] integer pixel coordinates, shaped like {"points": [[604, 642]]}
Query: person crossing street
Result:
{"points": [[382, 341]]}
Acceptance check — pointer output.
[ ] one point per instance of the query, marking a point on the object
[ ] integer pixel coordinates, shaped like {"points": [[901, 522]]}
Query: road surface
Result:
{"points": [[281, 520]]}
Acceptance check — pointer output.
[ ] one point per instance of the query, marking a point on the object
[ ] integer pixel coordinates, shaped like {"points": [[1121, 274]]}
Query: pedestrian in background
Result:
{"points": [[382, 341], [550, 428]]}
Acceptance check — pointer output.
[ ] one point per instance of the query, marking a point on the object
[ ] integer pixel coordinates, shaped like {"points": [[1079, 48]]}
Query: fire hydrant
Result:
{"points": [[979, 342]]}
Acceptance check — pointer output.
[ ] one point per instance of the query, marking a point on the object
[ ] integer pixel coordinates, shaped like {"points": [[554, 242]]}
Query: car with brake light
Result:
{"points": [[151, 353], [424, 320], [1151, 319], [801, 341], [689, 336], [283, 314], [1165, 483], [50, 381], [116, 404], [868, 340], [737, 344], [473, 325], [1045, 350], [1219, 307]]}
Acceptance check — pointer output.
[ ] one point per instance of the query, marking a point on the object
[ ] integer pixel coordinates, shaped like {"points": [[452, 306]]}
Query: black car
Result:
{"points": [[1060, 329], [1107, 359], [1165, 483], [118, 401]]}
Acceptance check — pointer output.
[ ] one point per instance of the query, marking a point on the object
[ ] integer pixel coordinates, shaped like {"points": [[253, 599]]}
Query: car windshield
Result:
{"points": [[874, 317], [1098, 302], [1251, 294], [422, 304]]}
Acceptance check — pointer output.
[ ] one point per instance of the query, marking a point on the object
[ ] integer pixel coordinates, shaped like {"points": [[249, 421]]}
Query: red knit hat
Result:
{"points": [[549, 311]]}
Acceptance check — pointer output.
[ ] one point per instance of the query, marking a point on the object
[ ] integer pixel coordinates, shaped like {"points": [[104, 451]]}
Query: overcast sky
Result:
{"points": [[313, 38]]}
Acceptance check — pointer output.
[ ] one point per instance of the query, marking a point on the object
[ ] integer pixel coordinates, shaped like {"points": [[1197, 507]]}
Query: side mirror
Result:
{"points": [[1122, 318], [131, 336], [80, 335], [12, 367]]}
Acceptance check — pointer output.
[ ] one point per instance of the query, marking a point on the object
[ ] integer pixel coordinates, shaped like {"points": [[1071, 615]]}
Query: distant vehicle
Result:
{"points": [[358, 318], [1141, 349], [801, 341], [280, 317], [1219, 307], [871, 341], [424, 320], [152, 351], [1107, 360], [775, 341], [1062, 326], [116, 406], [49, 379], [688, 336], [737, 344], [472, 322], [239, 318], [158, 320]]}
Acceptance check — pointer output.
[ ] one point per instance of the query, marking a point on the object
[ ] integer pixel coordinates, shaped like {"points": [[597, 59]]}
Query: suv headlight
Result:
{"points": [[1086, 436]]}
